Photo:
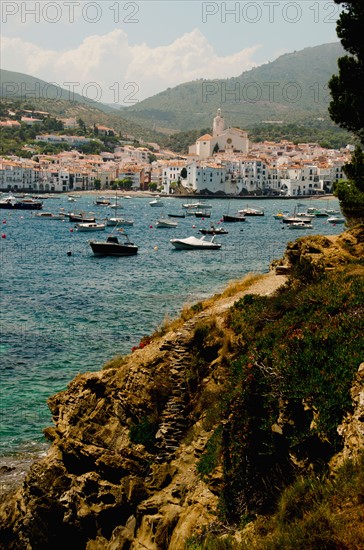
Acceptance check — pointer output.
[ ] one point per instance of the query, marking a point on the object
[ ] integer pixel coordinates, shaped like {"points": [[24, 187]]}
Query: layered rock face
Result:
{"points": [[99, 489]]}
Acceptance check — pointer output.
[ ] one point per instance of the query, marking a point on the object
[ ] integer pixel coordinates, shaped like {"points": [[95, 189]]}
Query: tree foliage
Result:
{"points": [[347, 107]]}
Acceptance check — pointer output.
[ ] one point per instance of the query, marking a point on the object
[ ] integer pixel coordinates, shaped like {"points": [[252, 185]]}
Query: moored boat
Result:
{"points": [[251, 212], [162, 222], [90, 226], [12, 203], [81, 217], [214, 231], [111, 222], [232, 219], [156, 202], [295, 218], [203, 214], [49, 216], [113, 247], [336, 219], [299, 225], [195, 243]]}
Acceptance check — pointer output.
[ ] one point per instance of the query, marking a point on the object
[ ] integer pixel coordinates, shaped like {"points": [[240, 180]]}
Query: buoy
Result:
{"points": [[71, 230], [4, 221], [193, 227], [3, 236], [150, 227], [69, 253], [156, 248]]}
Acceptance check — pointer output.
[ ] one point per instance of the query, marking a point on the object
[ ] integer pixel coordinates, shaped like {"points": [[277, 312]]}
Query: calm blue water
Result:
{"points": [[63, 315]]}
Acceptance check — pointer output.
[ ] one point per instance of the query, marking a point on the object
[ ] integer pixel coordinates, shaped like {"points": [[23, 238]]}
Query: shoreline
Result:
{"points": [[14, 467], [151, 194]]}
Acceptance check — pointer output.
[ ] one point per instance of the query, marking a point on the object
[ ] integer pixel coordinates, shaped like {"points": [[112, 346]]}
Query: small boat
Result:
{"points": [[12, 203], [111, 222], [214, 231], [102, 202], [162, 222], [81, 217], [336, 219], [294, 219], [231, 219], [300, 225], [156, 202], [202, 214], [90, 226], [305, 215], [71, 199], [177, 215], [112, 247], [197, 205], [317, 213], [280, 215], [195, 243], [49, 216], [251, 212]]}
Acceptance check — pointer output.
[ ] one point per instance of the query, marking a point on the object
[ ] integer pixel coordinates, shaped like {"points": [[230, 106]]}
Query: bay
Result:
{"points": [[67, 314]]}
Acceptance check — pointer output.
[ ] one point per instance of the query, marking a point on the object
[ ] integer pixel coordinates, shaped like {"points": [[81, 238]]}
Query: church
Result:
{"points": [[228, 140]]}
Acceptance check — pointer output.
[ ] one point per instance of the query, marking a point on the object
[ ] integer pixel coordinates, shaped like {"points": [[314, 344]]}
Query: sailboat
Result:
{"points": [[116, 220]]}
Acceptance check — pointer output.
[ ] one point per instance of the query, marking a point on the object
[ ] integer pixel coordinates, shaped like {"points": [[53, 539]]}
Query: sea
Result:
{"points": [[64, 311]]}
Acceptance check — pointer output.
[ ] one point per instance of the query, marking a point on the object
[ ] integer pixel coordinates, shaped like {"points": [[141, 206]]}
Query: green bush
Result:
{"points": [[298, 354], [211, 456], [143, 432]]}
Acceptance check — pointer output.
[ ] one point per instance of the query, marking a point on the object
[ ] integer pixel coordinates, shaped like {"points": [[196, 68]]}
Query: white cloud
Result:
{"points": [[111, 62]]}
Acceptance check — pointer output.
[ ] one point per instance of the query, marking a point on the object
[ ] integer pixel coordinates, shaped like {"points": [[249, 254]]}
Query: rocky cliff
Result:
{"points": [[122, 471]]}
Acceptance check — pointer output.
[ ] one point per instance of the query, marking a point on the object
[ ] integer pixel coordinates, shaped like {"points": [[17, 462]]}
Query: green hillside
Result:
{"points": [[16, 85], [289, 89]]}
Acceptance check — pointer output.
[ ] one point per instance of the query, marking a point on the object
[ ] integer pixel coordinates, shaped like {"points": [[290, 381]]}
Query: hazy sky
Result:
{"points": [[123, 52]]}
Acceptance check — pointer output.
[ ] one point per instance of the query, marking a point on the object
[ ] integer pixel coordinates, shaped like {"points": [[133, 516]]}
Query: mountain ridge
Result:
{"points": [[291, 88]]}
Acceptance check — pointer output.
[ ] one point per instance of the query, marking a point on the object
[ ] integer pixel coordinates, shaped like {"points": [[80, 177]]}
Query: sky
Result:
{"points": [[123, 52]]}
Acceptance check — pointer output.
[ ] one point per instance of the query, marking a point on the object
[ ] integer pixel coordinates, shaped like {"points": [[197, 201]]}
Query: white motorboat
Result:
{"points": [[162, 222], [336, 219], [299, 225], [111, 222], [90, 226], [197, 206], [156, 202], [195, 243], [251, 212], [299, 219]]}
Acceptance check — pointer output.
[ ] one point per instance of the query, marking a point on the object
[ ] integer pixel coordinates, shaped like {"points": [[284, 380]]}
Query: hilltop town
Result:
{"points": [[225, 162]]}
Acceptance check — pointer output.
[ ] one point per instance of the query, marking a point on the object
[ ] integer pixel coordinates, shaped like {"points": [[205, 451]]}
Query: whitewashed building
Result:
{"points": [[206, 177], [224, 139]]}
